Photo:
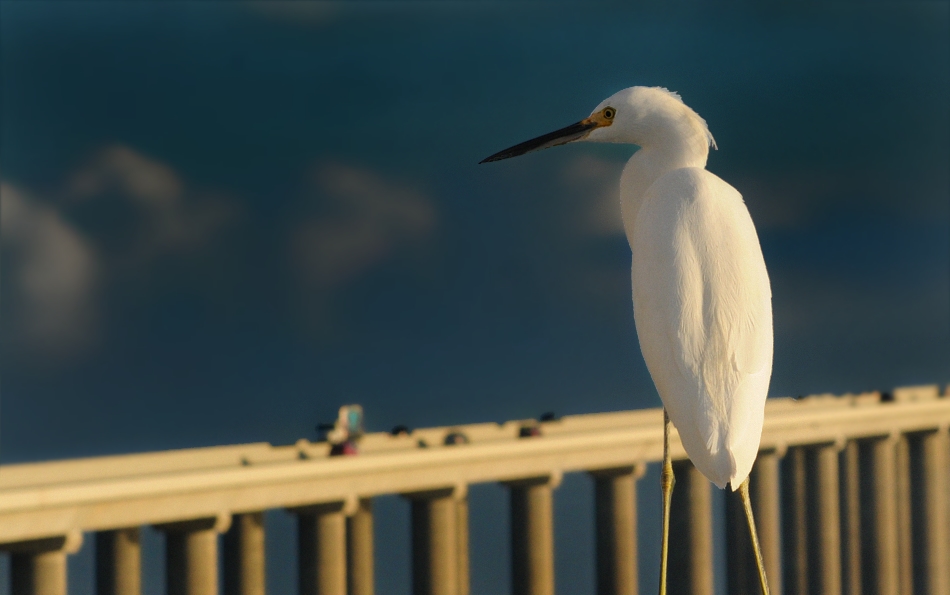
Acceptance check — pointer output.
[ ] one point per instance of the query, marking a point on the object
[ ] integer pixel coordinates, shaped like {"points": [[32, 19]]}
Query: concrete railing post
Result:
{"points": [[321, 547], [532, 535], [38, 567], [764, 492], [880, 551], [436, 557], [902, 488], [244, 555], [795, 521], [359, 543], [824, 520], [463, 551], [930, 501], [691, 543], [740, 565], [850, 478], [191, 555], [119, 562], [38, 573], [615, 511]]}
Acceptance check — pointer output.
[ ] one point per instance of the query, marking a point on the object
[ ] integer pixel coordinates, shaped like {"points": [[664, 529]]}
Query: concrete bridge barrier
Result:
{"points": [[851, 494]]}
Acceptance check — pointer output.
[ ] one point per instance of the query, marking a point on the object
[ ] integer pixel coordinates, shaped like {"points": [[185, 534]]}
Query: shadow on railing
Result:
{"points": [[850, 494]]}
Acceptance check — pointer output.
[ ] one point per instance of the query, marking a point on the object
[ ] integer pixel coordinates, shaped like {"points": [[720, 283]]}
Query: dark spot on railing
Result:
{"points": [[453, 438], [529, 430], [344, 448], [400, 430]]}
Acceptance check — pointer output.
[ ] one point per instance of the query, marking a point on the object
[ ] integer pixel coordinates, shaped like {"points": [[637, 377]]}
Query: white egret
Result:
{"points": [[701, 296]]}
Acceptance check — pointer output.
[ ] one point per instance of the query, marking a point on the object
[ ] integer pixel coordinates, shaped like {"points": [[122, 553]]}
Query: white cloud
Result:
{"points": [[56, 270], [152, 184], [366, 220], [53, 274], [176, 218]]}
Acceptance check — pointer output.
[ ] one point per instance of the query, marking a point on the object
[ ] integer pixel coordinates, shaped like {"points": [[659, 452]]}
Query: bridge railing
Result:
{"points": [[851, 494]]}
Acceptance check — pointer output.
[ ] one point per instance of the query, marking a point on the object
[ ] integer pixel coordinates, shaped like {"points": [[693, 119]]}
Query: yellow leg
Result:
{"points": [[747, 504], [667, 480]]}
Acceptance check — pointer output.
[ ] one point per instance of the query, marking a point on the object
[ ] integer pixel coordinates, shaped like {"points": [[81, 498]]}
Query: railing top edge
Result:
{"points": [[805, 428], [778, 411], [575, 443]]}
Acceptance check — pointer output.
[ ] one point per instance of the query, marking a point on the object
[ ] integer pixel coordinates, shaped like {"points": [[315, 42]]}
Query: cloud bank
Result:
{"points": [[56, 269], [173, 218], [53, 273], [361, 221]]}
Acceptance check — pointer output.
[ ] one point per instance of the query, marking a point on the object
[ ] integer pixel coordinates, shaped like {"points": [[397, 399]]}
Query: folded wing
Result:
{"points": [[702, 305]]}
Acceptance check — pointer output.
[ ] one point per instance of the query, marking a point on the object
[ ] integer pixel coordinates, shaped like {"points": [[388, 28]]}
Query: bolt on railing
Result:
{"points": [[850, 493]]}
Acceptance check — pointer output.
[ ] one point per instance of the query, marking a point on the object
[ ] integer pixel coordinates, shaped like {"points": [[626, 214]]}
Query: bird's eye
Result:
{"points": [[609, 113]]}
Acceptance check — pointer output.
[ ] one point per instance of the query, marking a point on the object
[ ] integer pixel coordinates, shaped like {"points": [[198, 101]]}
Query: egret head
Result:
{"points": [[643, 116]]}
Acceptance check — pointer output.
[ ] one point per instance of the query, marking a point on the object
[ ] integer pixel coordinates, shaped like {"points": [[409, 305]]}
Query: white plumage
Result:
{"points": [[703, 311], [701, 296], [701, 293]]}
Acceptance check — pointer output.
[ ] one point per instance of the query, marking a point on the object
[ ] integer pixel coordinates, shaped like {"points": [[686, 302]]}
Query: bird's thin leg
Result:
{"points": [[667, 480], [747, 504]]}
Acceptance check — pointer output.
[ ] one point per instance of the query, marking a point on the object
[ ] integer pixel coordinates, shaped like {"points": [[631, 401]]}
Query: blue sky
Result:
{"points": [[222, 220]]}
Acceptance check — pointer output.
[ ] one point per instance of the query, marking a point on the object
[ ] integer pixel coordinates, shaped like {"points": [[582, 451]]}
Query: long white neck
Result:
{"points": [[687, 147]]}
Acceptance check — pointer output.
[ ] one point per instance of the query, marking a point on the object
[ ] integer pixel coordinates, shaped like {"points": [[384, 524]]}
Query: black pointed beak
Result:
{"points": [[552, 139]]}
